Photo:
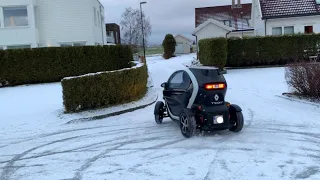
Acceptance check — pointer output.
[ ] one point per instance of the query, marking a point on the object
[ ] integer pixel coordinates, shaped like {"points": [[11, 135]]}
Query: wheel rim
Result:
{"points": [[184, 124]]}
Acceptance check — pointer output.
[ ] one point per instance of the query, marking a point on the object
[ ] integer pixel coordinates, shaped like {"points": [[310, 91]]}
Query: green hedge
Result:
{"points": [[43, 65], [213, 52], [104, 89], [260, 51]]}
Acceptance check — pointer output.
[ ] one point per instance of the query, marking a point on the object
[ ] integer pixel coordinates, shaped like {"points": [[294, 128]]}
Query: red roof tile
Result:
{"points": [[287, 8]]}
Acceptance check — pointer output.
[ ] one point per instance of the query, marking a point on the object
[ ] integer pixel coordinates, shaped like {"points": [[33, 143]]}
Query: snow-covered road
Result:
{"points": [[280, 139]]}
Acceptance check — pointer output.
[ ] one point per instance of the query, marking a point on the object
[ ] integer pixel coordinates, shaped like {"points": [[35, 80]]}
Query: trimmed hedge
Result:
{"points": [[261, 51], [43, 65], [104, 89], [213, 52]]}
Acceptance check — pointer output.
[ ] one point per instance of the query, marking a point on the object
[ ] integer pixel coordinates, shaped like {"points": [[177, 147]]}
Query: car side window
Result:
{"points": [[179, 80]]}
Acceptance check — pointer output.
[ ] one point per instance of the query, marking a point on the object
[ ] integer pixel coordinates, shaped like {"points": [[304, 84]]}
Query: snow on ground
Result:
{"points": [[280, 140]]}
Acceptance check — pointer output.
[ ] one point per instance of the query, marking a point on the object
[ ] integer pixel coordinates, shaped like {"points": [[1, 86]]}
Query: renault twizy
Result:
{"points": [[195, 97]]}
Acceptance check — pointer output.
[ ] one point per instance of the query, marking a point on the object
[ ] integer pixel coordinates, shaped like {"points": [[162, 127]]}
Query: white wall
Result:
{"points": [[257, 21], [63, 21], [56, 21], [186, 45], [27, 35], [239, 34], [211, 31], [297, 22], [99, 31]]}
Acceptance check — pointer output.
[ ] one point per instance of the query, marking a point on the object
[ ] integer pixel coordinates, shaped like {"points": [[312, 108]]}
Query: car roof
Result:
{"points": [[203, 67]]}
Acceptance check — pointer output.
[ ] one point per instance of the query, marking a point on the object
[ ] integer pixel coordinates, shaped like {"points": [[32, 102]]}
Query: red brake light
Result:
{"points": [[215, 86]]}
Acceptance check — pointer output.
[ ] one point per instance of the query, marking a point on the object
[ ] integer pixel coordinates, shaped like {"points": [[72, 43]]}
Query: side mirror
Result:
{"points": [[164, 85]]}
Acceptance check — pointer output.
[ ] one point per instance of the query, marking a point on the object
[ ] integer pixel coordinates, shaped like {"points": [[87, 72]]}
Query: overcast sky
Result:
{"points": [[166, 16]]}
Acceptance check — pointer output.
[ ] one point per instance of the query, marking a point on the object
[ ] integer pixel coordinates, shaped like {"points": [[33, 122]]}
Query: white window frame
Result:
{"points": [[2, 20], [95, 16], [82, 43], [6, 47], [99, 21]]}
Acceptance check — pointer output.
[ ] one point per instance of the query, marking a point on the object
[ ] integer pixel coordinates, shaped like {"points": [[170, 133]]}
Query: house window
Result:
{"points": [[72, 44], [15, 16], [227, 23], [99, 22], [308, 29], [19, 47], [277, 31], [95, 16], [288, 30], [35, 9]]}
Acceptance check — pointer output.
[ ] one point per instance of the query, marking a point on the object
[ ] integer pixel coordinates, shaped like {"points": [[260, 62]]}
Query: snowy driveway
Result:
{"points": [[280, 139]]}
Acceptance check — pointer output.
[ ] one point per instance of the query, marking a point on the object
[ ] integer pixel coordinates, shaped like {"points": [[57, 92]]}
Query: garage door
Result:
{"points": [[179, 48]]}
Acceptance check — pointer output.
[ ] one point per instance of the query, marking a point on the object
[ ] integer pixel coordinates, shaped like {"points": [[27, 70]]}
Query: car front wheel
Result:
{"points": [[158, 112]]}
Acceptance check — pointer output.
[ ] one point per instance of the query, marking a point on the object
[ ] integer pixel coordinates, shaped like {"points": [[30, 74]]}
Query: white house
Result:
{"points": [[285, 17], [44, 23], [259, 18], [223, 21], [183, 44]]}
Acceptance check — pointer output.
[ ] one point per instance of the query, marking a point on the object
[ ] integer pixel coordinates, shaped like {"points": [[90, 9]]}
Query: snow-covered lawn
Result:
{"points": [[280, 140]]}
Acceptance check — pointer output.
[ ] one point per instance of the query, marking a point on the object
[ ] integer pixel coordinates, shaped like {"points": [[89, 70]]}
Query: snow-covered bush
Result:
{"points": [[104, 89], [43, 65], [304, 78]]}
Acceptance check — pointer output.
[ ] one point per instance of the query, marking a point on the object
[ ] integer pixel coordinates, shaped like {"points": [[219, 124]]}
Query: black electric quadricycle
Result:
{"points": [[195, 97]]}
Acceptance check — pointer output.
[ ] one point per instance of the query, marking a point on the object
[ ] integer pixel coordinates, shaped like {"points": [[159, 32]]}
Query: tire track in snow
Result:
{"points": [[8, 170], [207, 177], [76, 130], [49, 153], [79, 174]]}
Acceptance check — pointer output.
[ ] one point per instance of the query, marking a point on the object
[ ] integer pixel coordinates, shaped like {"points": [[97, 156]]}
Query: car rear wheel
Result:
{"points": [[187, 124], [158, 112], [237, 120]]}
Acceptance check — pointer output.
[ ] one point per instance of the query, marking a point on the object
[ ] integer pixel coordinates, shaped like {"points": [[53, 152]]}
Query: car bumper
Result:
{"points": [[210, 114]]}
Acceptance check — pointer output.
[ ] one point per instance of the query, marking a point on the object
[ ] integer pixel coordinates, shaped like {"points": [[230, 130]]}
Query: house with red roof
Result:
{"points": [[273, 17], [259, 18]]}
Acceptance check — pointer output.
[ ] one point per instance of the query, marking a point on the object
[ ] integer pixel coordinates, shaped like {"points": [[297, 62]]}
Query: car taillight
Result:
{"points": [[215, 86]]}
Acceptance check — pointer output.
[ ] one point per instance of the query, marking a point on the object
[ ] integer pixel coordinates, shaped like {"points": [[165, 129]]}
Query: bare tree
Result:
{"points": [[131, 29]]}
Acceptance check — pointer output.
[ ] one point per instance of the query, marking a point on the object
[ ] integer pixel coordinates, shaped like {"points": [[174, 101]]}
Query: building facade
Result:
{"points": [[45, 23], [113, 33]]}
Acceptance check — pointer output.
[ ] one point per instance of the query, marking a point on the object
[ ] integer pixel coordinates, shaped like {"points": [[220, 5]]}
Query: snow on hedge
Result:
{"points": [[137, 65]]}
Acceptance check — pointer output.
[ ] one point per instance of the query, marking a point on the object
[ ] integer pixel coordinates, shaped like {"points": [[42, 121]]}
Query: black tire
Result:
{"points": [[236, 117], [187, 123], [158, 112]]}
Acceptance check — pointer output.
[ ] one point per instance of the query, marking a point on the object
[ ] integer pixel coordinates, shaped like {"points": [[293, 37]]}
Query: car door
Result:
{"points": [[176, 93]]}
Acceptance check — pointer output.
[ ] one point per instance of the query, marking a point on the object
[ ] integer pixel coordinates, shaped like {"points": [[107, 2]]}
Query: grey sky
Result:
{"points": [[167, 16]]}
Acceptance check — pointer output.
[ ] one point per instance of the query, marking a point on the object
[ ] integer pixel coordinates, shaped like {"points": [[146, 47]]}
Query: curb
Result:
{"points": [[255, 67], [99, 117], [299, 100]]}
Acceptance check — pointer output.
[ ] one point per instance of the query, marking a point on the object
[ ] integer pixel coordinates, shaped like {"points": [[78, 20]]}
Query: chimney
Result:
{"points": [[239, 4], [233, 3]]}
